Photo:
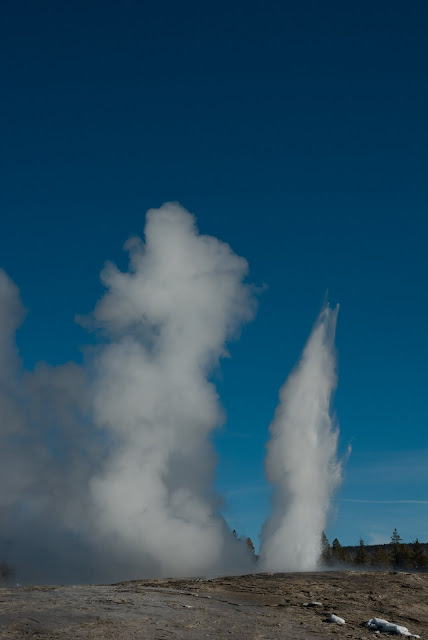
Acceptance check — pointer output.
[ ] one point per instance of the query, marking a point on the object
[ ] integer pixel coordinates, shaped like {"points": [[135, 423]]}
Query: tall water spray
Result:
{"points": [[301, 461], [106, 469]]}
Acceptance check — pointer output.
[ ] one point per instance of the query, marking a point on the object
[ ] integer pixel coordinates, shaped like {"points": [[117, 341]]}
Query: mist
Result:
{"points": [[301, 461], [107, 469]]}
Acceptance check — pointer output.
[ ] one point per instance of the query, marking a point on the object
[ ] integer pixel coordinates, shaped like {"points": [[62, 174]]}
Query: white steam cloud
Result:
{"points": [[107, 472], [107, 469], [168, 320], [301, 461]]}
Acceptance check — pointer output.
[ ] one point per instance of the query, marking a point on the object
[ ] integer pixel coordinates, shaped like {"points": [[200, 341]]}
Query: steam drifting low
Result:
{"points": [[106, 469], [301, 461]]}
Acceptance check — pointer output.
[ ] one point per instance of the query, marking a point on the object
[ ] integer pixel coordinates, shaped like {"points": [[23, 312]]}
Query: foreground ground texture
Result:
{"points": [[257, 606]]}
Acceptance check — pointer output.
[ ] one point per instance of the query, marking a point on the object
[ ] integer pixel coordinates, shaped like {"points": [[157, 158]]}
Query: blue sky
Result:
{"points": [[297, 133]]}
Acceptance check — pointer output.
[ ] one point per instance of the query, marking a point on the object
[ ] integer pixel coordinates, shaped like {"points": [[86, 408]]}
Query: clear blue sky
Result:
{"points": [[295, 131]]}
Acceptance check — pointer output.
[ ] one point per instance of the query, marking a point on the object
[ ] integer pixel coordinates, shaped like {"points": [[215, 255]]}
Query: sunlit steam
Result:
{"points": [[107, 470], [168, 319], [301, 462]]}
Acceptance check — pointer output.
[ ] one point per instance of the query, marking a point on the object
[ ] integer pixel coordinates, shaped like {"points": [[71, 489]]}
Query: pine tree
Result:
{"points": [[325, 558], [361, 557], [401, 554], [405, 558], [419, 558], [396, 544], [395, 538], [381, 558], [338, 553], [336, 547]]}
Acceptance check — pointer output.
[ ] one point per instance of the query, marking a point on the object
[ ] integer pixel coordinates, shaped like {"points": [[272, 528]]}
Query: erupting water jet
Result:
{"points": [[301, 461]]}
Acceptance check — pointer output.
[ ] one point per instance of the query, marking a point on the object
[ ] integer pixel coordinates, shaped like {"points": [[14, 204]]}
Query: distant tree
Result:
{"points": [[396, 548], [338, 553], [7, 574], [361, 557], [235, 535], [401, 554], [395, 538], [325, 558], [405, 558], [250, 546], [336, 547], [381, 558], [419, 557]]}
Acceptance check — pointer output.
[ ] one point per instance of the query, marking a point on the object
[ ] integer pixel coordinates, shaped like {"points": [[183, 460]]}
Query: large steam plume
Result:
{"points": [[301, 461], [106, 471], [167, 320]]}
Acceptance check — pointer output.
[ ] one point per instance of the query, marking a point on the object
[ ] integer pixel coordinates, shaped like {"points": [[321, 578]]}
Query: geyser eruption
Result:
{"points": [[167, 320], [301, 461], [106, 470]]}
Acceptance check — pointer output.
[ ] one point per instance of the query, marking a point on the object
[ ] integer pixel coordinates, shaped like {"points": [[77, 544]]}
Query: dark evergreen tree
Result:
{"points": [[405, 557], [338, 553], [396, 548], [381, 558], [401, 554], [361, 557], [395, 538], [325, 558], [419, 557]]}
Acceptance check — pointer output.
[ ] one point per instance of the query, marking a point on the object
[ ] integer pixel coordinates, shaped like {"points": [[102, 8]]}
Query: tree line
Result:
{"points": [[395, 555]]}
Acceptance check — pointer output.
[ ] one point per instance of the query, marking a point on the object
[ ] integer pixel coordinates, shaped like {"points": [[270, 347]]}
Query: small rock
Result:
{"points": [[313, 604], [379, 624], [336, 619]]}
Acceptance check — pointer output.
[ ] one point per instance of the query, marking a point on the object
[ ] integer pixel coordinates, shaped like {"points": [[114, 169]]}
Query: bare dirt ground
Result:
{"points": [[246, 607]]}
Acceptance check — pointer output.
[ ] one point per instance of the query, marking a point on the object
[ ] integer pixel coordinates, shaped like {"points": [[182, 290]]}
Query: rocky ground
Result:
{"points": [[246, 607]]}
